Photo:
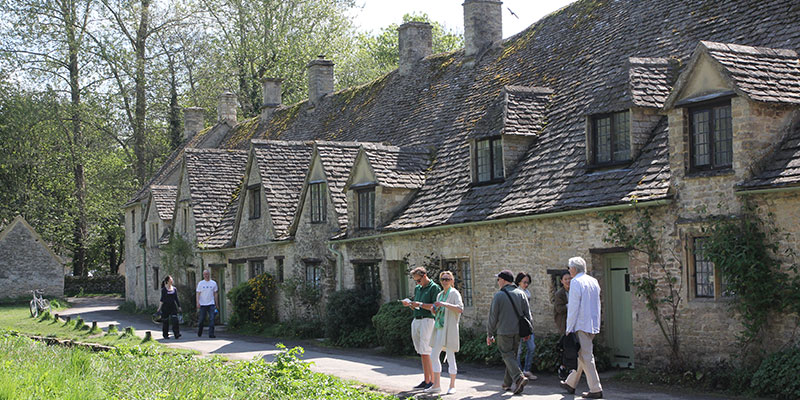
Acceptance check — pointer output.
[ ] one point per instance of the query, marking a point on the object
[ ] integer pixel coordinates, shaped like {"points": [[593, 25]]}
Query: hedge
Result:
{"points": [[105, 284]]}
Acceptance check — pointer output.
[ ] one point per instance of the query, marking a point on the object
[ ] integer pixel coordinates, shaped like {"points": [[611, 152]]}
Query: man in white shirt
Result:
{"points": [[207, 300], [583, 318]]}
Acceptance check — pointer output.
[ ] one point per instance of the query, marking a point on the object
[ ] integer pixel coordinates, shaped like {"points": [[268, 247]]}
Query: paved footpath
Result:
{"points": [[391, 374]]}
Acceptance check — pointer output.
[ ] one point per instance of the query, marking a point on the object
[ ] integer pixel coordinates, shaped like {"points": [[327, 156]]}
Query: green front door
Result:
{"points": [[620, 313]]}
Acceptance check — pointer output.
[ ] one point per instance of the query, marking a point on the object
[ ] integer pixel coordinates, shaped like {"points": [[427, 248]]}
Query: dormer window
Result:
{"points": [[488, 160], [366, 208], [254, 192], [318, 203], [611, 138], [711, 136]]}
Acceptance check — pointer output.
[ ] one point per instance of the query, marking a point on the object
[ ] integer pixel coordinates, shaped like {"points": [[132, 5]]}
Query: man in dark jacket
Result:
{"points": [[503, 327]]}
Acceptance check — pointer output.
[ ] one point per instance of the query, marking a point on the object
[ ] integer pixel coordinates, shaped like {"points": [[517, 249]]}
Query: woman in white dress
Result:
{"points": [[448, 308]]}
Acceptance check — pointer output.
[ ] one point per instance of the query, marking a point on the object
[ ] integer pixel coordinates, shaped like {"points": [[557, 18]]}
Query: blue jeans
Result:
{"points": [[531, 346], [210, 312]]}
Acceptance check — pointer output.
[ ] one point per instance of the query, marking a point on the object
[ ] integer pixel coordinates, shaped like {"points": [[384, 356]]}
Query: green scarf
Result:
{"points": [[439, 324]]}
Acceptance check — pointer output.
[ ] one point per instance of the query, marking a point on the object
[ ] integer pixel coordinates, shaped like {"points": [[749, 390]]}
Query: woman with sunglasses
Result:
{"points": [[447, 309]]}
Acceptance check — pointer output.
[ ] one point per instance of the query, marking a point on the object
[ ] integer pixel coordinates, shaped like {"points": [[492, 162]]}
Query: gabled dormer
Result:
{"points": [[729, 109], [506, 131], [382, 181], [160, 213], [322, 207], [270, 191], [616, 131]]}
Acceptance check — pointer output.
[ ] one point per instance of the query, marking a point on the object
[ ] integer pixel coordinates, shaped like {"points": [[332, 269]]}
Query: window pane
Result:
{"points": [[497, 159], [621, 141], [482, 161], [366, 209], [603, 129], [701, 142], [723, 137], [467, 279], [703, 271], [255, 203], [317, 202]]}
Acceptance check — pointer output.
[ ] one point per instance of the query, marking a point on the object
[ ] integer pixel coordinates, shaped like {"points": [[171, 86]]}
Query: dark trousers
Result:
{"points": [[507, 345], [165, 321], [206, 311]]}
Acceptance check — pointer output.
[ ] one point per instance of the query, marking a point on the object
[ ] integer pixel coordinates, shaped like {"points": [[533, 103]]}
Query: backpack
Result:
{"points": [[525, 327]]}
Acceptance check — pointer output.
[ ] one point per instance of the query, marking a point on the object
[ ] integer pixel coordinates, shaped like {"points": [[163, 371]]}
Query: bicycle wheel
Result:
{"points": [[34, 309]]}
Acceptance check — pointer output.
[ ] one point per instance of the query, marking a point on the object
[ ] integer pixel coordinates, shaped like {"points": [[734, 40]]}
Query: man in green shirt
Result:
{"points": [[422, 326]]}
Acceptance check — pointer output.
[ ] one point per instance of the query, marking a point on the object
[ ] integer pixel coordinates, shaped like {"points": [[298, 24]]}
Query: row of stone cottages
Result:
{"points": [[503, 154]]}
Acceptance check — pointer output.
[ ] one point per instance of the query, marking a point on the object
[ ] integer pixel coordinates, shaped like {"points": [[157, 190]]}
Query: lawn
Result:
{"points": [[17, 318], [32, 370]]}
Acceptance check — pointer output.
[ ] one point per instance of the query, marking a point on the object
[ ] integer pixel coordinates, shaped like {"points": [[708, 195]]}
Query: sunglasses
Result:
{"points": [[446, 279]]}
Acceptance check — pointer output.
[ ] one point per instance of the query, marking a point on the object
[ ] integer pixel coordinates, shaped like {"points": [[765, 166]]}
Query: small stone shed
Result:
{"points": [[27, 262]]}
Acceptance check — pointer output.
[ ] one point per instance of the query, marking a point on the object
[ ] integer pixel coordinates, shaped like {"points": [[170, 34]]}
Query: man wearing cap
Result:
{"points": [[422, 326], [503, 327], [583, 318]]}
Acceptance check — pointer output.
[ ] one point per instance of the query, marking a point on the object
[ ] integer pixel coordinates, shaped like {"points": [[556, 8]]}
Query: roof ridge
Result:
{"points": [[745, 49]]}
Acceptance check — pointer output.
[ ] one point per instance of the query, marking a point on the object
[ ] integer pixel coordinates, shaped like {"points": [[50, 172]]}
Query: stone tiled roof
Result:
{"points": [[164, 199], [763, 74], [337, 159], [397, 167], [650, 81], [222, 234], [525, 110], [214, 175], [283, 166], [582, 52], [783, 167]]}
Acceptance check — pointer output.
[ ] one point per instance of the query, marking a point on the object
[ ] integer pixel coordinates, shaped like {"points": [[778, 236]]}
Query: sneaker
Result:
{"points": [[428, 385], [530, 376], [422, 385], [451, 391], [521, 382], [432, 389]]}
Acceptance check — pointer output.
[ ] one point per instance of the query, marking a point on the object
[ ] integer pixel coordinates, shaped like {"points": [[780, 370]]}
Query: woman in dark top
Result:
{"points": [[169, 308], [560, 306]]}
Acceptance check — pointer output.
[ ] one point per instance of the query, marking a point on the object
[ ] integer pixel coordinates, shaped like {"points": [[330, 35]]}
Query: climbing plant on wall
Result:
{"points": [[659, 286], [177, 254]]}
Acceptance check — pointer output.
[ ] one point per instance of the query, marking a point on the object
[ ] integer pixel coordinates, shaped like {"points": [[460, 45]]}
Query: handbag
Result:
{"points": [[525, 327]]}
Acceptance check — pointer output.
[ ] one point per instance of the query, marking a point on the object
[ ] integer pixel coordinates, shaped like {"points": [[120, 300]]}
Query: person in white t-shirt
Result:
{"points": [[207, 300]]}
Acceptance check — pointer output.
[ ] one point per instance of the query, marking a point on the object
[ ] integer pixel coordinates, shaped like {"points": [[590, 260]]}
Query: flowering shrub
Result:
{"points": [[254, 301]]}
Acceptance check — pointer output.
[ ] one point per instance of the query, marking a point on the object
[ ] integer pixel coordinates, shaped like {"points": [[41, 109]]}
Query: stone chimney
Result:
{"points": [[271, 90], [415, 43], [483, 24], [226, 107], [320, 79], [193, 121]]}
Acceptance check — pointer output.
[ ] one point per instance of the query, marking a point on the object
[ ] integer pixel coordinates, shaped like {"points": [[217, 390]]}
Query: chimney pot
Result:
{"points": [[483, 24], [226, 107], [415, 42], [271, 90], [193, 121], [320, 79]]}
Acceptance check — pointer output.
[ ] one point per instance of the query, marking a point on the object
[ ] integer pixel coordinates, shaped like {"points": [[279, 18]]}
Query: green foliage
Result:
{"points": [[302, 297], [177, 254], [777, 375], [254, 302], [393, 326], [474, 348], [657, 293], [740, 247], [27, 372], [348, 320], [131, 308]]}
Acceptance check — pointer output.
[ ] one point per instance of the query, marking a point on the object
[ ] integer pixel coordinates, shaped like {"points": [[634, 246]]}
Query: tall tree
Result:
{"points": [[48, 37]]}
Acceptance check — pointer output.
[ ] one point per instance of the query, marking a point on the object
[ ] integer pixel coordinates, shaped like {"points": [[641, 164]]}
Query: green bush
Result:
{"points": [[253, 302], [348, 318], [474, 348], [393, 326], [777, 375]]}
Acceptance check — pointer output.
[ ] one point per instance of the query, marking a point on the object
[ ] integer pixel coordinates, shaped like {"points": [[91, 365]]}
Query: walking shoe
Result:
{"points": [[451, 391], [567, 387], [506, 388], [212, 336], [521, 382], [422, 385], [592, 395], [178, 337], [433, 389], [530, 376], [428, 385]]}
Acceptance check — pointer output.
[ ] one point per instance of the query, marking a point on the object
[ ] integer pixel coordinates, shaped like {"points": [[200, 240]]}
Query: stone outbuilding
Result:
{"points": [[27, 262]]}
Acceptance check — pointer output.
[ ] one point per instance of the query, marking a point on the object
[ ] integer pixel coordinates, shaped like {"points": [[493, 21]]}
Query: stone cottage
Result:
{"points": [[507, 154], [28, 263]]}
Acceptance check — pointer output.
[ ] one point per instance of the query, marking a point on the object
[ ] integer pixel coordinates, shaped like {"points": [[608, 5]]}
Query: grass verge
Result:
{"points": [[31, 370]]}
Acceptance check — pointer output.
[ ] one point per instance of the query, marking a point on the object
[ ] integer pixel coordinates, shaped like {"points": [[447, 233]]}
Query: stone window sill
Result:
{"points": [[710, 173]]}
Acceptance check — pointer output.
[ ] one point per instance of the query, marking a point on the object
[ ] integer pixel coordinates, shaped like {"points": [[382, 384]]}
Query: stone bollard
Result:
{"points": [[147, 336], [66, 321], [56, 317], [94, 326]]}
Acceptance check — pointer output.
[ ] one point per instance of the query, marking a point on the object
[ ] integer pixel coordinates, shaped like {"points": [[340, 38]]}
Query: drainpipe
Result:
{"points": [[339, 266], [144, 252]]}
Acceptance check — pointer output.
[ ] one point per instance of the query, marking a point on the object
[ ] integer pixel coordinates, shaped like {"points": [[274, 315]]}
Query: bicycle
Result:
{"points": [[38, 304]]}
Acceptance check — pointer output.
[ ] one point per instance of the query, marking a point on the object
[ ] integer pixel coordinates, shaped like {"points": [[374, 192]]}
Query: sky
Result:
{"points": [[372, 15]]}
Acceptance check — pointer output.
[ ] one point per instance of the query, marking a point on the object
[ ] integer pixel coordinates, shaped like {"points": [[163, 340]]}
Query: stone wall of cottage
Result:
{"points": [[253, 231], [133, 254], [642, 122], [26, 264]]}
